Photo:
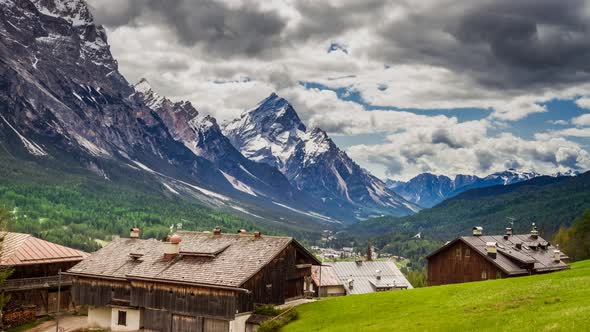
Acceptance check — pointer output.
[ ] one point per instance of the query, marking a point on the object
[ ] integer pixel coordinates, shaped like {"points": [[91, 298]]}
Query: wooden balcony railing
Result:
{"points": [[35, 283]]}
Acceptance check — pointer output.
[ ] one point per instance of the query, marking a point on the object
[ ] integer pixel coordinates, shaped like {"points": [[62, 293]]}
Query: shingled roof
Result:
{"points": [[25, 249], [510, 259], [227, 260], [327, 276]]}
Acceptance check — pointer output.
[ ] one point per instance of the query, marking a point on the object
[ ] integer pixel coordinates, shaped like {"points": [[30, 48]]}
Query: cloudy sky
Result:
{"points": [[404, 87]]}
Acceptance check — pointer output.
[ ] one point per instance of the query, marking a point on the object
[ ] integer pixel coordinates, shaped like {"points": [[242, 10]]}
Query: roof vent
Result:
{"points": [[491, 249], [134, 233], [217, 231], [477, 231], [242, 231], [534, 232], [378, 274], [257, 234], [359, 262], [518, 245], [350, 283], [135, 256]]}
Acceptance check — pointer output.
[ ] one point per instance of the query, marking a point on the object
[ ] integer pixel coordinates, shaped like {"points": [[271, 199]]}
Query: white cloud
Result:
{"points": [[582, 120], [583, 103]]}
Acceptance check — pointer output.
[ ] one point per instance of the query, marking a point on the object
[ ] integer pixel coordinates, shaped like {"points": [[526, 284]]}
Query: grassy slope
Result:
{"points": [[551, 302]]}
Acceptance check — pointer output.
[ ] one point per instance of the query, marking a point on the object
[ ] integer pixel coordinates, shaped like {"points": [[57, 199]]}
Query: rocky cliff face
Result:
{"points": [[273, 133]]}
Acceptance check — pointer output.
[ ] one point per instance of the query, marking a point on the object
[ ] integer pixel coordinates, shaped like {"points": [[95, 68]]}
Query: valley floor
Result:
{"points": [[550, 302]]}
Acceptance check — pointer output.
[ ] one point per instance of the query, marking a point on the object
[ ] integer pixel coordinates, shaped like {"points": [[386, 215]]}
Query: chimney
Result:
{"points": [[350, 283], [242, 231], [518, 245], [217, 231], [534, 232], [134, 233], [477, 231], [509, 231], [257, 234], [378, 274], [492, 249], [172, 247]]}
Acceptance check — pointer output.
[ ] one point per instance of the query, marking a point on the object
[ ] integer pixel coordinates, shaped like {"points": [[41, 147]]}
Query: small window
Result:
{"points": [[458, 252], [122, 319], [484, 275], [467, 252]]}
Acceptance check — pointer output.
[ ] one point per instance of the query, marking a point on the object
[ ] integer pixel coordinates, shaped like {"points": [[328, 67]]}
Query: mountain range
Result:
{"points": [[63, 99], [428, 190]]}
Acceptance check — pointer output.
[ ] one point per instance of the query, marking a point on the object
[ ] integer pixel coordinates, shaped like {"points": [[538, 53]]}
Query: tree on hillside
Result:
{"points": [[575, 241]]}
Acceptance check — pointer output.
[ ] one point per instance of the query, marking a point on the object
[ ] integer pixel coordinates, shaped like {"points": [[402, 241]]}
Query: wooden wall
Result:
{"points": [[187, 300], [460, 263], [99, 292], [280, 279], [40, 270]]}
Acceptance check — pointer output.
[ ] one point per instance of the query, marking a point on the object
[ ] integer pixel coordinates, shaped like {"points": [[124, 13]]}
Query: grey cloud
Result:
{"points": [[220, 29], [443, 136], [502, 44]]}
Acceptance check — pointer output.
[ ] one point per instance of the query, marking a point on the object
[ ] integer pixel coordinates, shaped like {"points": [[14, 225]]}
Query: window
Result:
{"points": [[498, 274], [122, 319], [484, 275], [458, 252], [467, 253]]}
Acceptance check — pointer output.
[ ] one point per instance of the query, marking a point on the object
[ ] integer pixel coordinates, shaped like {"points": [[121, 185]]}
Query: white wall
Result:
{"points": [[239, 323], [336, 290], [99, 317], [134, 320]]}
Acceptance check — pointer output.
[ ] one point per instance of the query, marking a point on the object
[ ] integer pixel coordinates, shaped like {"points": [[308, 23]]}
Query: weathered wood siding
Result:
{"points": [[185, 300], [99, 292], [459, 263], [280, 279]]}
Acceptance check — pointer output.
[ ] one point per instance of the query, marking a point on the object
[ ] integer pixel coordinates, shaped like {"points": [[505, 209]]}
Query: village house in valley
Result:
{"points": [[363, 277], [196, 281], [480, 257], [33, 284]]}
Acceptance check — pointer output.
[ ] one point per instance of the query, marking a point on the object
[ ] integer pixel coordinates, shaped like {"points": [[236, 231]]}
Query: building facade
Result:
{"points": [[35, 265], [480, 257], [206, 282]]}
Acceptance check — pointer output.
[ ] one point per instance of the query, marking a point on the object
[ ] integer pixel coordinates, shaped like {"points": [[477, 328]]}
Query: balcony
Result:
{"points": [[35, 283]]}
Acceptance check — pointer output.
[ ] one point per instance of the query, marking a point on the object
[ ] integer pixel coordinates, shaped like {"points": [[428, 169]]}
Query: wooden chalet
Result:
{"points": [[197, 281], [33, 284], [479, 257]]}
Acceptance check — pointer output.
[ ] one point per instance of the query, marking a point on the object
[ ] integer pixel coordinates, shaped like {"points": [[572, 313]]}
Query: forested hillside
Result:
{"points": [[548, 202], [74, 207]]}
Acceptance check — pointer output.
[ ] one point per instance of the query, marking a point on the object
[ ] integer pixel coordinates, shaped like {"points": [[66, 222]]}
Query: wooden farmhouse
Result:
{"points": [[33, 284], [480, 257], [197, 281]]}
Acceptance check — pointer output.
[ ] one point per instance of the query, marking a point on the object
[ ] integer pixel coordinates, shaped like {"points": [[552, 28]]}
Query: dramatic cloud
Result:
{"points": [[504, 60]]}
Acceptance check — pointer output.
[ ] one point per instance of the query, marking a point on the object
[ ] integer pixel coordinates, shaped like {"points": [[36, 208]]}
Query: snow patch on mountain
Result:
{"points": [[239, 185], [31, 146]]}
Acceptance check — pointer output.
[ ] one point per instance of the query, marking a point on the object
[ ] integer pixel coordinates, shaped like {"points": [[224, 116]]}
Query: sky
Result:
{"points": [[442, 86]]}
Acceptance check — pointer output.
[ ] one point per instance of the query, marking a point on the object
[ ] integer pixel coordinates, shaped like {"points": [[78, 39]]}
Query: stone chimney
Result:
{"points": [[257, 234], [477, 231], [172, 247], [492, 249], [557, 255], [134, 233]]}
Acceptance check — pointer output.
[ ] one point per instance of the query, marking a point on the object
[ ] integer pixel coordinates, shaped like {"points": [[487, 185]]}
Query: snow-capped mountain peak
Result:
{"points": [[74, 11], [151, 98], [273, 133]]}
